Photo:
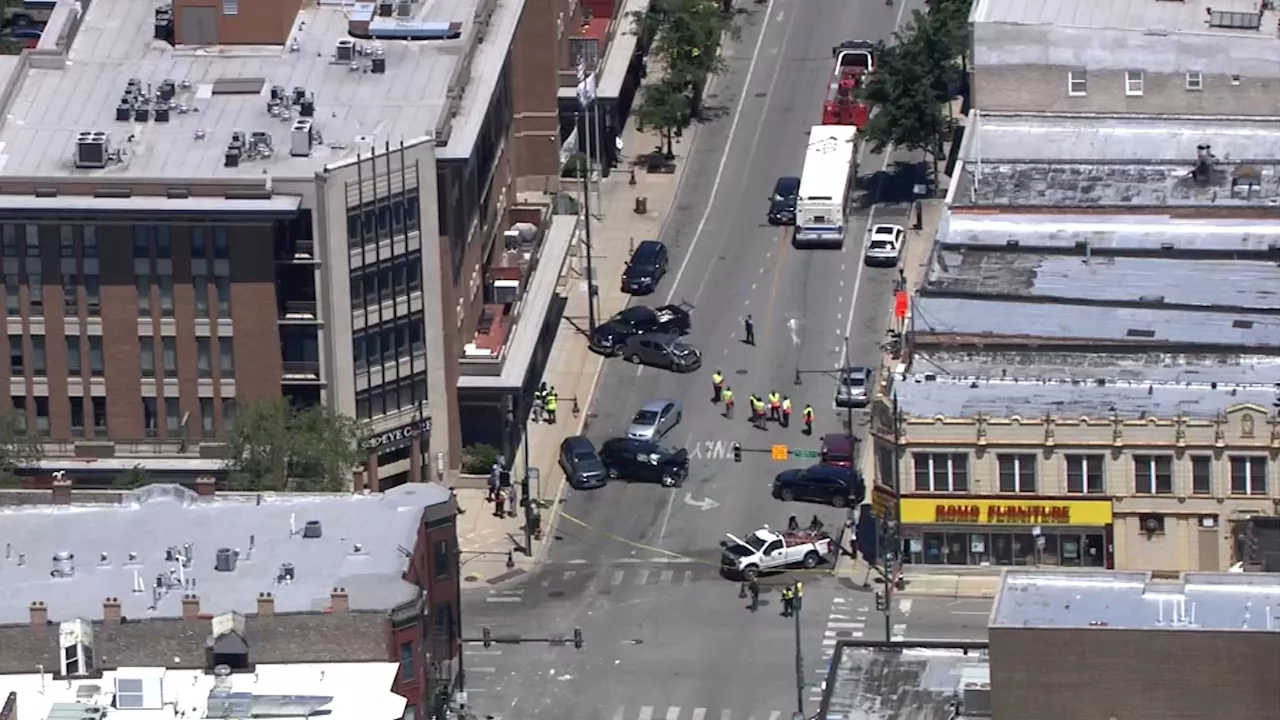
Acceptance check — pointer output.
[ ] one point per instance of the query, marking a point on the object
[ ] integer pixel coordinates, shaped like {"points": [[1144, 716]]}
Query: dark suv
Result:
{"points": [[582, 466], [645, 268], [782, 203], [645, 461]]}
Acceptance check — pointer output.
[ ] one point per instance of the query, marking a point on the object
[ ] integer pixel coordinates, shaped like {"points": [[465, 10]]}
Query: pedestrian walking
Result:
{"points": [[808, 419], [539, 397], [788, 602], [775, 406], [550, 405], [753, 587], [728, 403], [786, 411], [493, 484], [717, 386], [500, 503], [798, 600], [749, 328]]}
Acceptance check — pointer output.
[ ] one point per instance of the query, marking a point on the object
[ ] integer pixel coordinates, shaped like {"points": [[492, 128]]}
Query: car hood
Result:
{"points": [[608, 330], [638, 273], [591, 468], [680, 456], [640, 431], [787, 476]]}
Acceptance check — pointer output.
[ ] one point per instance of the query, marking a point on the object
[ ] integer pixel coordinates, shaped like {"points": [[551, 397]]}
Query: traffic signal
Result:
{"points": [[881, 603], [737, 452], [577, 638], [779, 452], [488, 637]]}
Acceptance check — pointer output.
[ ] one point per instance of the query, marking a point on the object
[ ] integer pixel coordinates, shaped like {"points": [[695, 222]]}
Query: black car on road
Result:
{"points": [[581, 464], [609, 336], [829, 484], [644, 461], [645, 268], [663, 351], [782, 203]]}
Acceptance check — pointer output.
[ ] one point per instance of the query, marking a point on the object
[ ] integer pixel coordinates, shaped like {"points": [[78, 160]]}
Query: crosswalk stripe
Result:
{"points": [[699, 714], [619, 713], [617, 576], [673, 713], [643, 579], [775, 715], [503, 598], [646, 712], [849, 625], [830, 640], [665, 579]]}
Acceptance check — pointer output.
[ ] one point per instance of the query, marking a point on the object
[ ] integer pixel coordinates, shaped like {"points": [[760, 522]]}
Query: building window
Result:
{"points": [[1077, 83], [199, 248], [77, 416], [149, 419], [164, 243], [70, 301], [204, 362], [1084, 474], [1133, 83], [66, 241], [941, 472], [73, 355], [20, 413], [95, 356], [35, 288], [443, 560], [147, 356], [89, 241], [206, 417], [92, 295], [141, 242], [169, 356], [17, 359], [13, 295], [410, 713], [1195, 81], [1153, 474], [222, 286], [99, 416], [1201, 475], [33, 241], [388, 343], [166, 296], [10, 240], [383, 217], [584, 52], [228, 414], [390, 397], [42, 416], [377, 284], [37, 356], [1017, 473], [201, 285], [406, 662], [1249, 475], [172, 417], [226, 358], [221, 247], [143, 285]]}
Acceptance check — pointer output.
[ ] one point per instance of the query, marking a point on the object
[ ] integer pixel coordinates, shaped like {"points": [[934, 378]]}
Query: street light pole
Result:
{"points": [[799, 662], [586, 219], [893, 526], [524, 480]]}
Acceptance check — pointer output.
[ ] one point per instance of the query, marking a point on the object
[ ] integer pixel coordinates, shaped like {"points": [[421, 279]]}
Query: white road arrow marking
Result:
{"points": [[704, 504]]}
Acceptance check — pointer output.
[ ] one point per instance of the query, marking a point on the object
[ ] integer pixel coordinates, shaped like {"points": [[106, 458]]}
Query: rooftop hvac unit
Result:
{"points": [[300, 138], [345, 50], [505, 292], [92, 150], [404, 9], [386, 8], [976, 699]]}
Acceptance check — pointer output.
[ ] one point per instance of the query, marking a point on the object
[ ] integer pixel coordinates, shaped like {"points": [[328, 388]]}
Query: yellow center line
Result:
{"points": [[773, 288]]}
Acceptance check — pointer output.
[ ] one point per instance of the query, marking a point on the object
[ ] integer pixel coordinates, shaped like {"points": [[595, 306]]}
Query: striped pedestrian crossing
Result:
{"points": [[675, 712], [846, 621]]}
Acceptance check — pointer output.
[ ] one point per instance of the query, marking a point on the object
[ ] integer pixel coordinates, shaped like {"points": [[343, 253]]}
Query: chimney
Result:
{"points": [[9, 711], [62, 491], [39, 614], [205, 485], [111, 611], [266, 604], [190, 607], [339, 603]]}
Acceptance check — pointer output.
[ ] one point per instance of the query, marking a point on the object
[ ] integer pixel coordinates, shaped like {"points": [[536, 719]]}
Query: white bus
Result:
{"points": [[829, 172]]}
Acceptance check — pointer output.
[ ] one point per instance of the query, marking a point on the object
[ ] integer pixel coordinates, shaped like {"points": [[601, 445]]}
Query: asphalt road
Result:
{"points": [[634, 566]]}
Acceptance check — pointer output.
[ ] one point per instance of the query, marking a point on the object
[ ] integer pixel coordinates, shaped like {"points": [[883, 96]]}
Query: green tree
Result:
{"points": [[686, 37], [663, 108], [135, 477], [18, 447], [274, 446]]}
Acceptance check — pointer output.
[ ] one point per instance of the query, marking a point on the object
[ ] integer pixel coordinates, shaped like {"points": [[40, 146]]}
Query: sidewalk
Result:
{"points": [[491, 548]]}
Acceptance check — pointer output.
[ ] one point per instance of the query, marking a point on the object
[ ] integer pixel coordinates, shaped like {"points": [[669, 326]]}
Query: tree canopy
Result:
{"points": [[686, 39], [663, 108], [274, 446], [18, 446]]}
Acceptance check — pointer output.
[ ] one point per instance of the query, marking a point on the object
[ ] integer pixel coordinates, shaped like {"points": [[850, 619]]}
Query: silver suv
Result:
{"points": [[854, 388]]}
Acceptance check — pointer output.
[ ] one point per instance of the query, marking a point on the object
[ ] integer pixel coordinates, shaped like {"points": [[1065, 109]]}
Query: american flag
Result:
{"points": [[586, 84]]}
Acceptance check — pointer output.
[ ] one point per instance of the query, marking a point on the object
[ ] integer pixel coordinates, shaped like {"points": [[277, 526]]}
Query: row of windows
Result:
{"points": [[391, 397], [31, 240], [172, 408], [97, 413], [388, 343], [93, 410], [70, 296], [200, 283], [382, 218], [169, 357], [373, 285], [1134, 82], [1152, 474], [156, 241]]}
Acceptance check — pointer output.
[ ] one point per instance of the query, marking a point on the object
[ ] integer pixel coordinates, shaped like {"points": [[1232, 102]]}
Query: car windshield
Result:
{"points": [[583, 456], [879, 245], [885, 232], [854, 380], [646, 417], [755, 542]]}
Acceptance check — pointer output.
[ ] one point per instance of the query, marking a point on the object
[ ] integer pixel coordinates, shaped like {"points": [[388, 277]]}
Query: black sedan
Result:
{"points": [[644, 461], [829, 484], [608, 337], [645, 268]]}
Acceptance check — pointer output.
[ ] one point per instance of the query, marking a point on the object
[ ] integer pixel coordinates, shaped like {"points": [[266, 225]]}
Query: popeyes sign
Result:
{"points": [[1005, 512]]}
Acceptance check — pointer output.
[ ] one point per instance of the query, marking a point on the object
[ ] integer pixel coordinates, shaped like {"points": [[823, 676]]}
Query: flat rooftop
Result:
{"points": [[1135, 234], [1087, 368], [1247, 602], [355, 109], [899, 683], [1138, 15], [338, 691], [1113, 160], [118, 549]]}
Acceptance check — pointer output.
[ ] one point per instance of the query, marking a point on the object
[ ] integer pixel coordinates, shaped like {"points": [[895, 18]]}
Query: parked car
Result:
{"points": [[610, 335], [836, 449], [655, 419], [23, 36], [884, 245], [767, 549], [829, 484], [644, 461], [662, 351], [854, 387], [581, 463], [645, 268], [782, 203]]}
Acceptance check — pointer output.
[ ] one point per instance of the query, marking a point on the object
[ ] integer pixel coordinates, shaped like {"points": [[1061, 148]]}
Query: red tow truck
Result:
{"points": [[855, 61]]}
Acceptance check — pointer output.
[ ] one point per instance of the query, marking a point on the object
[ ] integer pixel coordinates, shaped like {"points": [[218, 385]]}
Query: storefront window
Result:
{"points": [[1067, 549]]}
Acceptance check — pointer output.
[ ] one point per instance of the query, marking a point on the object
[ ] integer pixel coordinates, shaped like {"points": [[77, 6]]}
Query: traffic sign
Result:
{"points": [[779, 452], [798, 453]]}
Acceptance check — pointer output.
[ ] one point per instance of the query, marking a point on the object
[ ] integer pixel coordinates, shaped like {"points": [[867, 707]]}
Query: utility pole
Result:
{"points": [[525, 497], [799, 661], [586, 219], [893, 525]]}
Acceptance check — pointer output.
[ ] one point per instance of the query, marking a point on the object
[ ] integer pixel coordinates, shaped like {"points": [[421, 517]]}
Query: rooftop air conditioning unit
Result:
{"points": [[404, 9], [345, 50], [92, 150], [300, 138], [386, 8]]}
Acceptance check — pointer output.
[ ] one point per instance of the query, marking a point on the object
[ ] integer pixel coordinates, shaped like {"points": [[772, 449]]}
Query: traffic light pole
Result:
{"points": [[799, 662]]}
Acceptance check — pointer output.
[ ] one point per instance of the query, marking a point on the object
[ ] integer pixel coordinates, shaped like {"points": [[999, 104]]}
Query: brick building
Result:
{"points": [[164, 577], [318, 208]]}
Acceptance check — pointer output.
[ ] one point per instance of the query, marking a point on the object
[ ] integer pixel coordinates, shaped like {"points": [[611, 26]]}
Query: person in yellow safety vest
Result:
{"points": [[728, 402], [788, 602], [808, 419], [775, 406], [551, 406], [757, 411], [786, 411], [717, 386], [799, 599]]}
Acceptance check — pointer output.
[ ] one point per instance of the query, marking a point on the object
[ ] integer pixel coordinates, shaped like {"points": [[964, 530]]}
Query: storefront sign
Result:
{"points": [[1090, 513], [882, 502], [386, 440]]}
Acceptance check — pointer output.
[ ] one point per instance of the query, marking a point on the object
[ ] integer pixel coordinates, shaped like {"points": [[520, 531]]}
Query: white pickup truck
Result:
{"points": [[767, 549]]}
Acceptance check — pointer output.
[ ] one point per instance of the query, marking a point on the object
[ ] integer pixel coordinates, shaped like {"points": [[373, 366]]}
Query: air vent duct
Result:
{"points": [[92, 150]]}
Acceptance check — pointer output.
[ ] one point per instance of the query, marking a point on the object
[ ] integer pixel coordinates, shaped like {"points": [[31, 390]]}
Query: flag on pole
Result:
{"points": [[586, 84]]}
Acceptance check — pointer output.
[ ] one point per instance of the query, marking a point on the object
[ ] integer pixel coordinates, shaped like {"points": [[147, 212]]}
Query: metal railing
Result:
{"points": [[301, 367], [298, 309]]}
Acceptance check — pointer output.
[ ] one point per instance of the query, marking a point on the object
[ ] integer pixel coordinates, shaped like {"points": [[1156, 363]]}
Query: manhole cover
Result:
{"points": [[556, 594], [739, 372]]}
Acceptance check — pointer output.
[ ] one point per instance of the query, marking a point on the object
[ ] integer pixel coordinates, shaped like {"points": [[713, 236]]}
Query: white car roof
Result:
{"points": [[885, 229]]}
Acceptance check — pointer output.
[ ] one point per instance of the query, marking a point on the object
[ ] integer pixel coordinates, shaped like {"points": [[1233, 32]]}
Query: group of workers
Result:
{"points": [[792, 595], [774, 406], [544, 404]]}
